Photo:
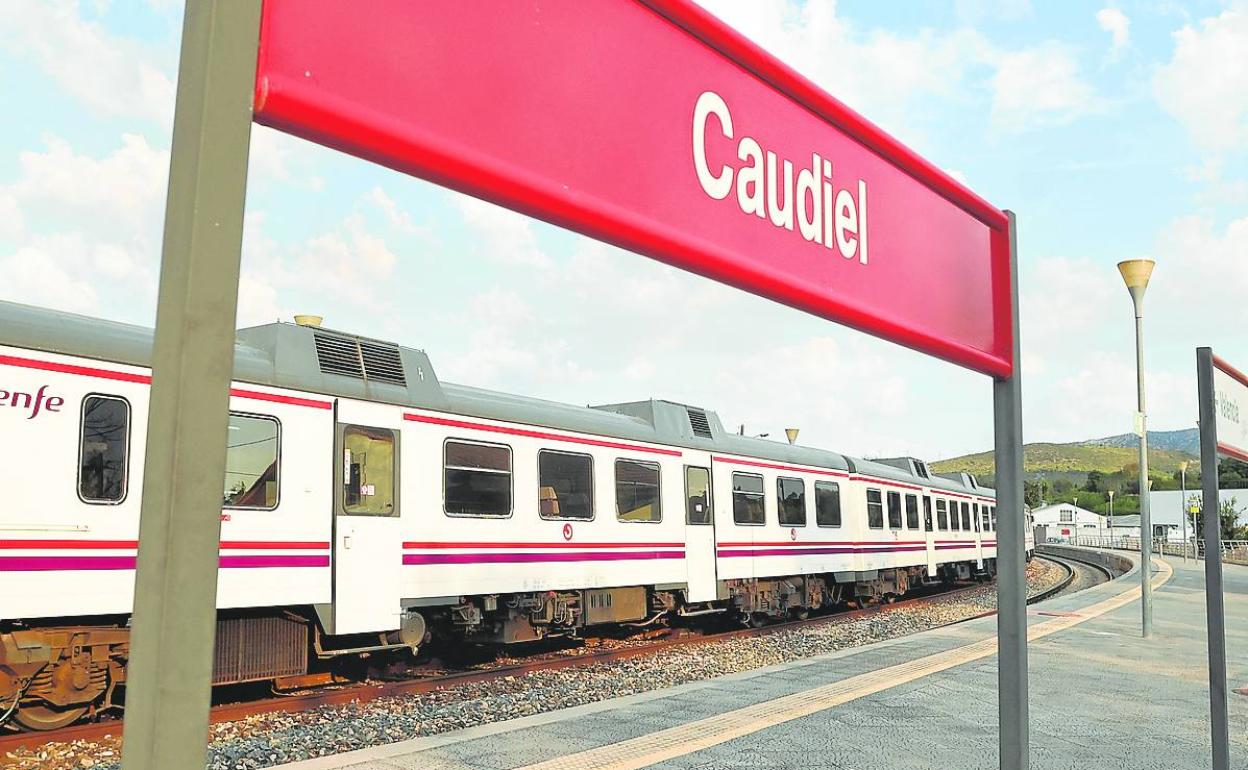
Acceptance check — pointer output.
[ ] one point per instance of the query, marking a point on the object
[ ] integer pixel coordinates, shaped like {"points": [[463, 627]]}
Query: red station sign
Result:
{"points": [[653, 126]]}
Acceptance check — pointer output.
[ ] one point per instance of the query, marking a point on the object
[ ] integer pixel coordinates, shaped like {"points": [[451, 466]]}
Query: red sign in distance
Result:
{"points": [[657, 128]]}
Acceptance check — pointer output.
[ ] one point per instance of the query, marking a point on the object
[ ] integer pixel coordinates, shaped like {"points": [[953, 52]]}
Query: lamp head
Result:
{"points": [[1183, 466], [1136, 272]]}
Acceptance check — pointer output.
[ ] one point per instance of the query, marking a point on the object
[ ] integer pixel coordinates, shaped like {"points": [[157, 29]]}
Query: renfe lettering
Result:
{"points": [[32, 403], [765, 186]]}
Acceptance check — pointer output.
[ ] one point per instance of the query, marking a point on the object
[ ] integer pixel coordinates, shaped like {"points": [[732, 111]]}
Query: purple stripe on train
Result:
{"points": [[68, 563], [729, 553], [504, 557]]}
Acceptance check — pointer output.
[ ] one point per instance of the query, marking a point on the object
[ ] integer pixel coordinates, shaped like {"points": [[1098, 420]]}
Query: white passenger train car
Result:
{"points": [[367, 506]]}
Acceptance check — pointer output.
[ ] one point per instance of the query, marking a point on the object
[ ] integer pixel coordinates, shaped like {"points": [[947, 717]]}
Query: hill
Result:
{"points": [[1077, 459], [1173, 440]]}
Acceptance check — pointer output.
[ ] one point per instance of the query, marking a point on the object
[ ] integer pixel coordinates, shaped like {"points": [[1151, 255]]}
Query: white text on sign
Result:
{"points": [[835, 220]]}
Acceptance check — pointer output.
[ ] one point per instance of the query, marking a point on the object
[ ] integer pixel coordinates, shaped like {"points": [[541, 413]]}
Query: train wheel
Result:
{"points": [[42, 718]]}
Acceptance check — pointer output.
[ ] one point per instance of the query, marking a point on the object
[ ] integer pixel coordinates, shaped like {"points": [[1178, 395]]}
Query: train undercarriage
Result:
{"points": [[53, 676]]}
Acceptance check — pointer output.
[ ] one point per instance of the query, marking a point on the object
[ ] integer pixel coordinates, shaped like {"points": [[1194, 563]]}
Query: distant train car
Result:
{"points": [[367, 506]]}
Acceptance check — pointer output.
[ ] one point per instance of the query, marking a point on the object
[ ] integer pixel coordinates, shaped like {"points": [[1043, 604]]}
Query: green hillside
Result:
{"points": [[1068, 458]]}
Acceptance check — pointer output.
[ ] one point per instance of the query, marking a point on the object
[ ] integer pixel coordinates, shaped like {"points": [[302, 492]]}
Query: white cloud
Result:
{"points": [[1205, 85], [892, 77], [119, 195], [1118, 25], [51, 272], [504, 234], [82, 227], [881, 74], [394, 214], [1039, 86], [109, 75]]}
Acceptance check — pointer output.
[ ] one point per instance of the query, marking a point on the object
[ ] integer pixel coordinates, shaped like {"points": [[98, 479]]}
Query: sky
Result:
{"points": [[1113, 130]]}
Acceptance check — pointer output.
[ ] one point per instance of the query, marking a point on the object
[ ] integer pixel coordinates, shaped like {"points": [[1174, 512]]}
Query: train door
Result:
{"points": [[979, 536], [700, 558], [367, 539], [930, 535]]}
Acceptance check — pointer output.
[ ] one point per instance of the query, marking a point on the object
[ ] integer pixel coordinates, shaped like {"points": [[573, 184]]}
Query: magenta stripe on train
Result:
{"points": [[54, 563], [518, 558]]}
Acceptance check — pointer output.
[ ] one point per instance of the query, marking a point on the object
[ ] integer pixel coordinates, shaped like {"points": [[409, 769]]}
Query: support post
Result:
{"points": [[1011, 549], [1146, 519], [169, 678], [1214, 611]]}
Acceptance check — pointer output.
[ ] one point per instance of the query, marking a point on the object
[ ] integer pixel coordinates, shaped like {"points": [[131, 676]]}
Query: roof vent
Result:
{"points": [[354, 357], [697, 420], [382, 363]]}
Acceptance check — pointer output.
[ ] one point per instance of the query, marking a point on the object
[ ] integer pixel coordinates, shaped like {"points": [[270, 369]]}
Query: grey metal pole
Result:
{"points": [[1214, 610], [1011, 549], [1183, 506], [1146, 520], [168, 683]]}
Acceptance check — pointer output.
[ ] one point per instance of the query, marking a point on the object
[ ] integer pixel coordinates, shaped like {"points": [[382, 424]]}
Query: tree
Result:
{"points": [[1095, 482], [1228, 516], [1232, 474], [1031, 493]]}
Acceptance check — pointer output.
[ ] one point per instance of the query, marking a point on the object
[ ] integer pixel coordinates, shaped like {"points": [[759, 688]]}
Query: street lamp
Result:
{"points": [[1135, 273], [1111, 513], [1183, 504]]}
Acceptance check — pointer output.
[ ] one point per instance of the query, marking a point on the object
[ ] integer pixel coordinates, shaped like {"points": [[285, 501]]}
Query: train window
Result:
{"points": [[565, 485], [477, 479], [251, 462], [637, 491], [992, 518], [984, 523], [912, 512], [942, 515], [791, 502], [894, 510], [955, 520], [747, 499], [697, 495], [103, 449], [966, 516], [927, 513], [875, 509], [827, 504], [370, 462]]}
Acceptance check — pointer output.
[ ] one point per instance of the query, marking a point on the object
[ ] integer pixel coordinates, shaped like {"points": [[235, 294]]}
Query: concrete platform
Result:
{"points": [[1100, 698]]}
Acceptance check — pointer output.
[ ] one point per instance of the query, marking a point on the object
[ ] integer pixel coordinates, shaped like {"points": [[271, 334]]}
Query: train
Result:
{"points": [[369, 508]]}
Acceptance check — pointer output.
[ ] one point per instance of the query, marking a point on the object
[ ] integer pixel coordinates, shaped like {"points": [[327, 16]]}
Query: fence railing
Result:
{"points": [[1235, 551]]}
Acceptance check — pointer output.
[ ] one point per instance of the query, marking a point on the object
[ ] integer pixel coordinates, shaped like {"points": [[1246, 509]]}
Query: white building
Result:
{"points": [[1063, 522], [1166, 510]]}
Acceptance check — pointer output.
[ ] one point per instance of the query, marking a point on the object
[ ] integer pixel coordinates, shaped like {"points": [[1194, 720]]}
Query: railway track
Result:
{"points": [[362, 692], [1080, 575]]}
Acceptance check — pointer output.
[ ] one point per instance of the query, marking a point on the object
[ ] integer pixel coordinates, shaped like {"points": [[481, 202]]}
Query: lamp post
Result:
{"points": [[1183, 504], [1075, 517], [1135, 273], [1111, 514]]}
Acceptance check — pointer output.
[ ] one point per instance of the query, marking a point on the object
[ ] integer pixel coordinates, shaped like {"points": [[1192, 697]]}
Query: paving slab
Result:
{"points": [[1100, 697]]}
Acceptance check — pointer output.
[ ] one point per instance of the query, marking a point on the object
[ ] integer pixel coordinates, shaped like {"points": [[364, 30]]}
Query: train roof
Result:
{"points": [[325, 361]]}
